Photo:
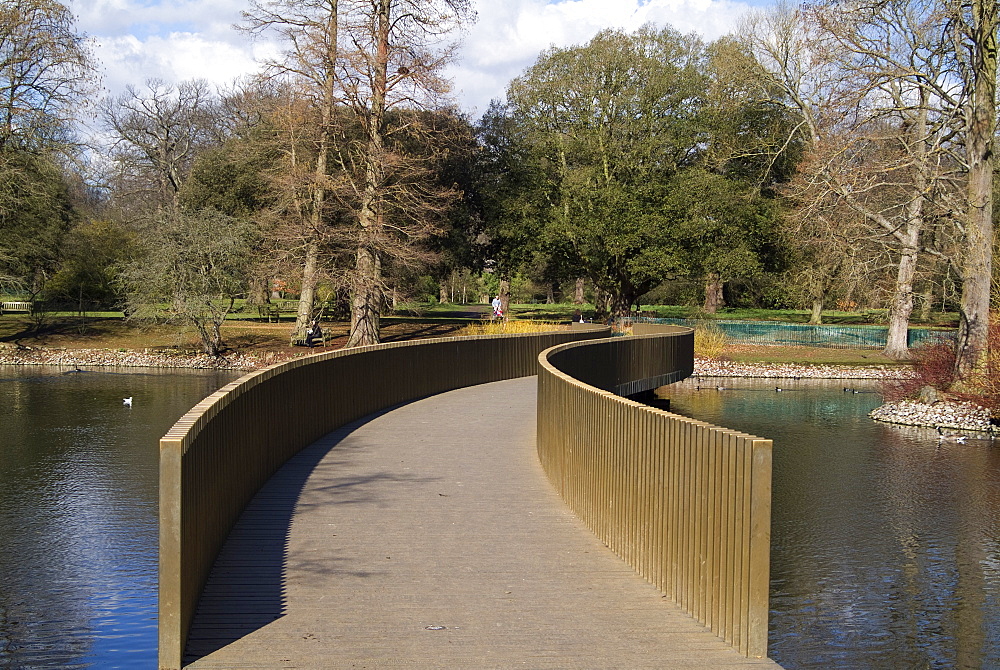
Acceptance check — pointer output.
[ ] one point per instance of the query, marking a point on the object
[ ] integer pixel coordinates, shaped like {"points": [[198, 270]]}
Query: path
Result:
{"points": [[429, 537]]}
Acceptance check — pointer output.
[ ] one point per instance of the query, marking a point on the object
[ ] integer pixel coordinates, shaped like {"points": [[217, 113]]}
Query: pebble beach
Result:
{"points": [[944, 415]]}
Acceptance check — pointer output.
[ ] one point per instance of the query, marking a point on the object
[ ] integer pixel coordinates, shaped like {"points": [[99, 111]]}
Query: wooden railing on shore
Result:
{"points": [[220, 453], [685, 503]]}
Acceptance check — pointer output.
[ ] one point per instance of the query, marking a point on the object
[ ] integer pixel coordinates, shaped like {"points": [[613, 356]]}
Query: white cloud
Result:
{"points": [[510, 34], [175, 40]]}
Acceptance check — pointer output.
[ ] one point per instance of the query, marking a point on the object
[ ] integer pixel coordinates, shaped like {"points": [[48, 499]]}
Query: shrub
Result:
{"points": [[933, 365], [709, 340], [983, 386], [501, 327]]}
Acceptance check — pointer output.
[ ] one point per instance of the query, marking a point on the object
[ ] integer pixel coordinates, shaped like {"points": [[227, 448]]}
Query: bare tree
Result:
{"points": [[398, 49], [310, 32], [974, 30], [870, 83], [156, 134], [46, 72], [366, 67]]}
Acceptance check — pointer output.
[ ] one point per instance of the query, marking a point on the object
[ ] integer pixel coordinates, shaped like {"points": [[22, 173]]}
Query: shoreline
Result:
{"points": [[118, 358], [944, 415]]}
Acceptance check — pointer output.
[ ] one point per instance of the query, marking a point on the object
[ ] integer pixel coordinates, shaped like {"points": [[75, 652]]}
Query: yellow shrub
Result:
{"points": [[507, 327], [709, 340]]}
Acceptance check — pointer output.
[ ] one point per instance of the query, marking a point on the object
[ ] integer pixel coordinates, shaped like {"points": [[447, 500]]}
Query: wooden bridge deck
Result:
{"points": [[429, 537]]}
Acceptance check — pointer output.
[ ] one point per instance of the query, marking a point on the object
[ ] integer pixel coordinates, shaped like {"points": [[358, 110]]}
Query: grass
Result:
{"points": [[249, 335]]}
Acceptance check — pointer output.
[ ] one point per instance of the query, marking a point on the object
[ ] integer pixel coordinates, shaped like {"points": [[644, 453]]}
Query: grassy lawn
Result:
{"points": [[247, 334]]}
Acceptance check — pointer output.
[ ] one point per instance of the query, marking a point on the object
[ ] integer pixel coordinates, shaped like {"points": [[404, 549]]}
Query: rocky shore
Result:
{"points": [[714, 368], [952, 419], [80, 358]]}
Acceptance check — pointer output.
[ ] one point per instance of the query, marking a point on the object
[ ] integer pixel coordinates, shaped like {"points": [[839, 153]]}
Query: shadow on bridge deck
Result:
{"points": [[428, 536]]}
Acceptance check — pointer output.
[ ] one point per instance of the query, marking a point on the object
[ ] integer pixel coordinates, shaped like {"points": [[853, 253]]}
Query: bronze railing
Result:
{"points": [[220, 453], [685, 503]]}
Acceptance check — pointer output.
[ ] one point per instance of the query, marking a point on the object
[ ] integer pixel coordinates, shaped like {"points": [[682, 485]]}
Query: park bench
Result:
{"points": [[272, 311], [15, 306]]}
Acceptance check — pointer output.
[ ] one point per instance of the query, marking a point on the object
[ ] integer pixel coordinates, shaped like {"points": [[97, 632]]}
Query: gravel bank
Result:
{"points": [[952, 418], [712, 368], [132, 359]]}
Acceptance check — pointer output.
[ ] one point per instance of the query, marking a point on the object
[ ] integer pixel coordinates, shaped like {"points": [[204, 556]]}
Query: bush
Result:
{"points": [[501, 327], [983, 387], [933, 365], [709, 340]]}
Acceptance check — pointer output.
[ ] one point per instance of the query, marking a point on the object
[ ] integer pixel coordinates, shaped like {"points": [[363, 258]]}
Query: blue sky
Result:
{"points": [[175, 40]]}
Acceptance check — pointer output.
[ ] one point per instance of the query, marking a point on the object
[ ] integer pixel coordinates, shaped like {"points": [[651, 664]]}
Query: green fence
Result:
{"points": [[836, 337]]}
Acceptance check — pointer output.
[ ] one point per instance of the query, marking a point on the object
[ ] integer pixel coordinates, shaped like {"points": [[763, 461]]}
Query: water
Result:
{"points": [[78, 512], [885, 543], [885, 548]]}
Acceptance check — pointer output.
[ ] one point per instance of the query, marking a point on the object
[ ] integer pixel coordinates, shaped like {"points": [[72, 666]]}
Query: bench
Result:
{"points": [[16, 306]]}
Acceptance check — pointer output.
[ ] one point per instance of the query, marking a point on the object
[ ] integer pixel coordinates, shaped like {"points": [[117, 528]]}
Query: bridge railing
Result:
{"points": [[220, 453], [685, 503]]}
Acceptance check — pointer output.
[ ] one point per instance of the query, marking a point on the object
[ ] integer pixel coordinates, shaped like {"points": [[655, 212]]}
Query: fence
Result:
{"points": [[837, 337], [220, 453], [685, 503]]}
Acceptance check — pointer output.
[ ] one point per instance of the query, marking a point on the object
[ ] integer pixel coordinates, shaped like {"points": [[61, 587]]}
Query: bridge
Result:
{"points": [[428, 532]]}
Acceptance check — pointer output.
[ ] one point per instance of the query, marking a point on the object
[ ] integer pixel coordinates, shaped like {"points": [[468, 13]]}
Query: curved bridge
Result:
{"points": [[417, 536]]}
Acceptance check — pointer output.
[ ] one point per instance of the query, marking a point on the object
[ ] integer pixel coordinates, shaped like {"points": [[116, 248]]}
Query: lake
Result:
{"points": [[78, 511], [885, 549]]}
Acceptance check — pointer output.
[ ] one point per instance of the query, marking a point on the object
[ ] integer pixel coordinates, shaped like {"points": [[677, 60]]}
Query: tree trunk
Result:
{"points": [[977, 272], [896, 345], [927, 304], [578, 292], [713, 293], [307, 298], [366, 301], [816, 316], [505, 298], [443, 292]]}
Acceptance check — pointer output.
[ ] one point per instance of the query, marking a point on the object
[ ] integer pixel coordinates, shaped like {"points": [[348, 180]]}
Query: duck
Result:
{"points": [[951, 436], [127, 401]]}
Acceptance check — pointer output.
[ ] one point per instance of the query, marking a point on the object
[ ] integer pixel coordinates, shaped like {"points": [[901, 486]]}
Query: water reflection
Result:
{"points": [[78, 526], [884, 539]]}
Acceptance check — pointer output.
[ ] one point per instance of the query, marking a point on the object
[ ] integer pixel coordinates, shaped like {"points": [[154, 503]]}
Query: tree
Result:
{"points": [[46, 71], [609, 123], [92, 253], [190, 269], [723, 230], [616, 130], [975, 47], [36, 210], [867, 81], [156, 135], [311, 32], [398, 50], [365, 67]]}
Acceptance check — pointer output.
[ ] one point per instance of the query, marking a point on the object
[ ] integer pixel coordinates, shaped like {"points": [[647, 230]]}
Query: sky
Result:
{"points": [[177, 40]]}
